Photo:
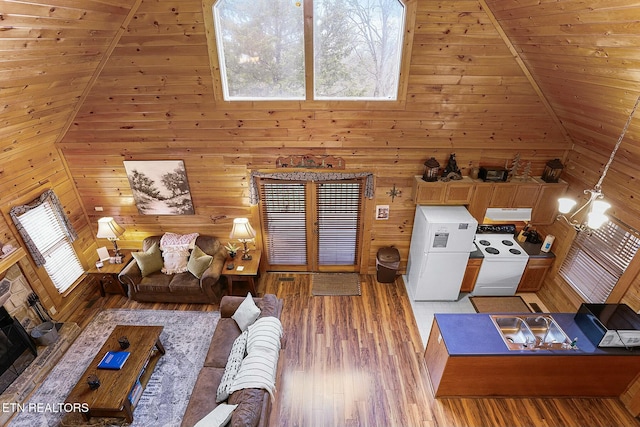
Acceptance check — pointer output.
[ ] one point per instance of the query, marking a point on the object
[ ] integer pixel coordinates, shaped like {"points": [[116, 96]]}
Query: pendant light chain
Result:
{"points": [[615, 150]]}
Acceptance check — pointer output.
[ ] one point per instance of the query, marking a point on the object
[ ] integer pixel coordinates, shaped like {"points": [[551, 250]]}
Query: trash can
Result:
{"points": [[45, 333], [387, 263]]}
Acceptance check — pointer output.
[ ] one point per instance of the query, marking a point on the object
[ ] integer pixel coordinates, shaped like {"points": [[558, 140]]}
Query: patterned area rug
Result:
{"points": [[332, 284], [186, 337]]}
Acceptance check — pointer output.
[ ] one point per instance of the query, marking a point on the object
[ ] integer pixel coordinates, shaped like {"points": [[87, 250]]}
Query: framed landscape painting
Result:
{"points": [[159, 187]]}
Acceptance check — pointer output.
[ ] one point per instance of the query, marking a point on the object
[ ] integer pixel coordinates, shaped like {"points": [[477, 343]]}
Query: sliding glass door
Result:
{"points": [[311, 226]]}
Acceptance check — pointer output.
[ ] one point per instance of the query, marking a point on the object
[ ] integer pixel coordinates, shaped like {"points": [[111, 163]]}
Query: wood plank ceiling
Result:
{"points": [[86, 85]]}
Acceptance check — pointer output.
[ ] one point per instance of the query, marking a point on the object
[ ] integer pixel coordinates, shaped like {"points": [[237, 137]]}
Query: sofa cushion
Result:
{"points": [[198, 262], [219, 417], [149, 261], [202, 399], [250, 403], [184, 283], [155, 282], [224, 335], [247, 313], [238, 351]]}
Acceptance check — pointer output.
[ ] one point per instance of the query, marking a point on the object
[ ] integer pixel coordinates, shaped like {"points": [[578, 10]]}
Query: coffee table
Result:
{"points": [[111, 399]]}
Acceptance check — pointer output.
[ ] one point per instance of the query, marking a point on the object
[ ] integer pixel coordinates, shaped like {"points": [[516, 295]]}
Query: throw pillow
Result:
{"points": [[246, 313], [265, 332], [219, 417], [238, 351], [149, 261], [198, 262], [175, 260]]}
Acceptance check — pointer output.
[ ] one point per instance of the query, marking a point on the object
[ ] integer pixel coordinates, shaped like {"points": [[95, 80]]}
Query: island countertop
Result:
{"points": [[476, 335]]}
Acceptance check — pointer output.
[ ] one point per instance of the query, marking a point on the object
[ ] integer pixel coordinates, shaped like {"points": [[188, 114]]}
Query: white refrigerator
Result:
{"points": [[441, 241]]}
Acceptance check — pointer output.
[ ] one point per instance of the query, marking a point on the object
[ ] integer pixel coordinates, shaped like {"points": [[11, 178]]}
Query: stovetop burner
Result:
{"points": [[484, 242], [515, 251], [493, 251], [507, 242]]}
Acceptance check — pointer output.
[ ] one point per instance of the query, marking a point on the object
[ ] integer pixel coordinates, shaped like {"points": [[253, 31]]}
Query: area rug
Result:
{"points": [[511, 304], [335, 284], [186, 337]]}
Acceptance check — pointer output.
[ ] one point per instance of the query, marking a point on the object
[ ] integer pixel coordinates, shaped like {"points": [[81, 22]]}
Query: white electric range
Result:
{"points": [[504, 260]]}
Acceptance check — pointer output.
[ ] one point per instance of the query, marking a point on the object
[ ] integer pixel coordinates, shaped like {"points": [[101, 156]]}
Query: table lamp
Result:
{"points": [[109, 229], [243, 231]]}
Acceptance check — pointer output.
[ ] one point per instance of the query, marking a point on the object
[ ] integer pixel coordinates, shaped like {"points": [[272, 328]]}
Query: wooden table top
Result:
{"points": [[250, 267], [115, 385]]}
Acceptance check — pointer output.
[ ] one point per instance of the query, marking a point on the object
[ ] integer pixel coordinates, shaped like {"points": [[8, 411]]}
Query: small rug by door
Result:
{"points": [[335, 284], [511, 304], [186, 337]]}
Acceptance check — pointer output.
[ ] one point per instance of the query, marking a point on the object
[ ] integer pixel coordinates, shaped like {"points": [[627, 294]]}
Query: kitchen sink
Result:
{"points": [[535, 332]]}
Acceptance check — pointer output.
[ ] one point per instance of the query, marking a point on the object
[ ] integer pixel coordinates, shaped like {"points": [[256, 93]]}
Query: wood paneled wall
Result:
{"points": [[85, 88], [154, 100], [584, 56]]}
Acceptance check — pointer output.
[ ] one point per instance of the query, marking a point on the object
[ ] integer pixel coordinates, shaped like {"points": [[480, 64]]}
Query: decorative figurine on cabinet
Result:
{"points": [[451, 171]]}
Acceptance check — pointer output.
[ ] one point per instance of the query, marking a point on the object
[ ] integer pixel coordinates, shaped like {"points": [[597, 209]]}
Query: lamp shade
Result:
{"points": [[242, 230], [108, 228], [565, 205]]}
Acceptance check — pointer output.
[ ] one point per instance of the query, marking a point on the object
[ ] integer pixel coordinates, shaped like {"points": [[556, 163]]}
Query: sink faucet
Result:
{"points": [[547, 323]]}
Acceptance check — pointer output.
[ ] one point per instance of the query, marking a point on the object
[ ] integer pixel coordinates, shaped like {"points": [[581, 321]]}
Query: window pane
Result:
{"points": [[357, 48], [261, 48]]}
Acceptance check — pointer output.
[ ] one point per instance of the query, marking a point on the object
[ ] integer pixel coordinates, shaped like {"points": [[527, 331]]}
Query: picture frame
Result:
{"points": [[160, 187], [382, 212]]}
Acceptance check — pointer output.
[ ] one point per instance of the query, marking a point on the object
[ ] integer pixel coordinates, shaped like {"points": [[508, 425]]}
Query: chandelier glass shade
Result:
{"points": [[597, 207]]}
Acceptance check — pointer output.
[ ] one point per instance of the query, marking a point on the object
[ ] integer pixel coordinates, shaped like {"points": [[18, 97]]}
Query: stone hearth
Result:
{"points": [[20, 390]]}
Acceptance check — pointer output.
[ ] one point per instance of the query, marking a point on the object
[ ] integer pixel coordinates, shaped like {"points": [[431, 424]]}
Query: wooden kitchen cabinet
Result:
{"points": [[534, 274], [471, 274], [546, 208], [514, 195], [442, 193]]}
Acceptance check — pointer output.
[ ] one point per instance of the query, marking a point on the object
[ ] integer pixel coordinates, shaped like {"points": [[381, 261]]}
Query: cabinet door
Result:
{"points": [[503, 195], [430, 194], [525, 196], [480, 201], [458, 193], [534, 274], [546, 207], [471, 274]]}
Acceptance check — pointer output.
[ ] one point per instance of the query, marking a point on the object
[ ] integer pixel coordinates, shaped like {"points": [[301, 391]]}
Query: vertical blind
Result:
{"points": [[595, 262], [62, 264], [284, 217], [338, 222]]}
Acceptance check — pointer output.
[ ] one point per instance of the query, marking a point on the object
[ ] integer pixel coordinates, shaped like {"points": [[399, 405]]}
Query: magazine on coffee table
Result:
{"points": [[113, 360]]}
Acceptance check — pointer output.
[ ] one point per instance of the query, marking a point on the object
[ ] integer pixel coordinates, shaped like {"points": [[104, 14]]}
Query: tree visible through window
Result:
{"points": [[355, 49]]}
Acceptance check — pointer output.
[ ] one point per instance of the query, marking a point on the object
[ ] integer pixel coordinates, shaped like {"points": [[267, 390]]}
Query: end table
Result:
{"points": [[243, 271], [107, 275]]}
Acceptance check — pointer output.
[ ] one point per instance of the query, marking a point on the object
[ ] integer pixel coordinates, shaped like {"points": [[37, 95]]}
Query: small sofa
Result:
{"points": [[178, 287], [254, 405]]}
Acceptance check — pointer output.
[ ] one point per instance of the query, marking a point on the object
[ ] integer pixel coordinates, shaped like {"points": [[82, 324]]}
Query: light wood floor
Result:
{"points": [[357, 361]]}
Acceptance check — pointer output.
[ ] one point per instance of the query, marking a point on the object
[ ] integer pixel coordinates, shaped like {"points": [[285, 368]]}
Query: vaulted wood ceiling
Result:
{"points": [[86, 83]]}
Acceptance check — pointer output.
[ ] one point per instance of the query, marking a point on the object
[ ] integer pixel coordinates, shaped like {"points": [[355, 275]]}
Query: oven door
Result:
{"points": [[499, 276]]}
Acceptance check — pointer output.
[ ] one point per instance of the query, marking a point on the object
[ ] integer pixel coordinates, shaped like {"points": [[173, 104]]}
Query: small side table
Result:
{"points": [[247, 273], [107, 275]]}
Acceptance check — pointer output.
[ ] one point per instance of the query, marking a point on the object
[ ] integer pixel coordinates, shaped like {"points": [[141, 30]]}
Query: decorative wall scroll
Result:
{"points": [[310, 161], [160, 187]]}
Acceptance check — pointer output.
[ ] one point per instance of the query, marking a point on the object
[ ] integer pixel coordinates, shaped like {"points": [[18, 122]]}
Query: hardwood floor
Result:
{"points": [[358, 361]]}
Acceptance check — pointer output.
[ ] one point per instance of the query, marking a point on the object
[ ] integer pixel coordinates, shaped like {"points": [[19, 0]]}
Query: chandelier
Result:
{"points": [[596, 216]]}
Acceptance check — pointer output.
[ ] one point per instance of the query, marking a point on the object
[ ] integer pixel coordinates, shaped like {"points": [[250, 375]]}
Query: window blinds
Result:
{"points": [[595, 262], [44, 228]]}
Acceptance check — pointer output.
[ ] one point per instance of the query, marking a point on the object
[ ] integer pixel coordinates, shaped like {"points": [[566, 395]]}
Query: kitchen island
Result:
{"points": [[466, 356]]}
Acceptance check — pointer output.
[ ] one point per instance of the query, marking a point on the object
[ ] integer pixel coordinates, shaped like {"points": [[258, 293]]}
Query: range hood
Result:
{"points": [[509, 214]]}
